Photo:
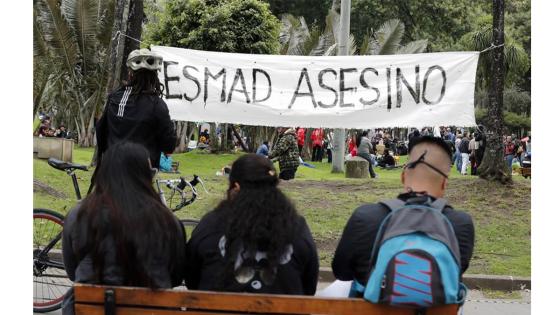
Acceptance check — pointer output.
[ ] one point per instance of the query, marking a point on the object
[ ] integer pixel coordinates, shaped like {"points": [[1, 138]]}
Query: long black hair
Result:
{"points": [[125, 207], [145, 81], [258, 216]]}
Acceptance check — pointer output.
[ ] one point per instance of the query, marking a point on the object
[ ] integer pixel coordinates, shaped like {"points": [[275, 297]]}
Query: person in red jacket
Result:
{"points": [[300, 139], [352, 145], [317, 138]]}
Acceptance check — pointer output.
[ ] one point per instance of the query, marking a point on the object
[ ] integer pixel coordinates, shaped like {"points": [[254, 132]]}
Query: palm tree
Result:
{"points": [[70, 49], [297, 39]]}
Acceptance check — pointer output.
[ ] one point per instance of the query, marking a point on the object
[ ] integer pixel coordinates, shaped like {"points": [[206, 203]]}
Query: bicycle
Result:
{"points": [[178, 186], [50, 280], [49, 276]]}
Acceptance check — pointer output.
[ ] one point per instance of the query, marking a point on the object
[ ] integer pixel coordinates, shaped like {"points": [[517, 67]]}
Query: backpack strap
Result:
{"points": [[393, 204], [439, 204]]}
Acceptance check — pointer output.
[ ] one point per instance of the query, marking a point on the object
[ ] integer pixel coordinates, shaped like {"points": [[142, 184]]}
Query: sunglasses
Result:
{"points": [[421, 159]]}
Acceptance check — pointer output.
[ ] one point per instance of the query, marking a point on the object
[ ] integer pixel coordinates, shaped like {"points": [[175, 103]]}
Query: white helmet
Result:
{"points": [[144, 59]]}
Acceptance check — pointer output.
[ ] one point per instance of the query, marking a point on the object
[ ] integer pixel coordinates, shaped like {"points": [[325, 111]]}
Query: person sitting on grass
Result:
{"points": [[121, 234], [424, 179], [387, 160], [254, 240]]}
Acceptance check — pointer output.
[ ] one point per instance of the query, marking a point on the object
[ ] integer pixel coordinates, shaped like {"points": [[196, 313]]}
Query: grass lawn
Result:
{"points": [[501, 214]]}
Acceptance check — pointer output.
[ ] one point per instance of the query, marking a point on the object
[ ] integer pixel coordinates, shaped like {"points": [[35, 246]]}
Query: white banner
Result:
{"points": [[435, 89]]}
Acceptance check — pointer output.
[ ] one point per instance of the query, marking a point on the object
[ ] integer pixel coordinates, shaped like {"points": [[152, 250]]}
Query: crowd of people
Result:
{"points": [[45, 129]]}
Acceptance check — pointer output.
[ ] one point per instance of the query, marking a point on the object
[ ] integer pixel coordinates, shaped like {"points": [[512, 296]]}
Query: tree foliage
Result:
{"points": [[241, 26], [313, 11], [70, 42]]}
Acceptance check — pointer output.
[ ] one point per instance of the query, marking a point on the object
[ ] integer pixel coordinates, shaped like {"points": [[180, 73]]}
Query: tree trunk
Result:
{"points": [[181, 129], [238, 136], [134, 30], [493, 166], [117, 45], [307, 145], [214, 141]]}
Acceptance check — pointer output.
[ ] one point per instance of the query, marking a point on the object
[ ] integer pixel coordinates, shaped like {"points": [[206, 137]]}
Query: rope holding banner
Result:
{"points": [[134, 39], [491, 47]]}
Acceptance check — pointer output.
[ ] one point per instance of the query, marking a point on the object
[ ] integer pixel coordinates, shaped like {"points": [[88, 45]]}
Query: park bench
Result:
{"points": [[106, 300]]}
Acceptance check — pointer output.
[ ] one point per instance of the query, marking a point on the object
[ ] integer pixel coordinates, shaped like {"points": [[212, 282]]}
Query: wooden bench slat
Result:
{"points": [[243, 302], [86, 309]]}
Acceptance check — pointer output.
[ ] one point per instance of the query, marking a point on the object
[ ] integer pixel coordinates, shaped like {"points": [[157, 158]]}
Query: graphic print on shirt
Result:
{"points": [[255, 268]]}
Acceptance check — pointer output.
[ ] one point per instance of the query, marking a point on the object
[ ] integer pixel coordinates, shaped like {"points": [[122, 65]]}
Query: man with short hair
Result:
{"points": [[424, 179]]}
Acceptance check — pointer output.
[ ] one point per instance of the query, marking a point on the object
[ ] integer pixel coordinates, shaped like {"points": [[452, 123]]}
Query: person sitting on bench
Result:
{"points": [[121, 234], [254, 241], [424, 178]]}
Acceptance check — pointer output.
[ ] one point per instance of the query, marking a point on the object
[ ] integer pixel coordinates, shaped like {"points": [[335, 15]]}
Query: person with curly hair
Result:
{"points": [[254, 241]]}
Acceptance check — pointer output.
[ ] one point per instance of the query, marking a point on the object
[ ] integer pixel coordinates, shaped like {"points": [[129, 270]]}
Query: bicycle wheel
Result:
{"points": [[50, 281]]}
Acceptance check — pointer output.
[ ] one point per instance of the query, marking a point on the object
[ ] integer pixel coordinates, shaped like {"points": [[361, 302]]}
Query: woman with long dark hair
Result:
{"points": [[121, 233], [254, 241]]}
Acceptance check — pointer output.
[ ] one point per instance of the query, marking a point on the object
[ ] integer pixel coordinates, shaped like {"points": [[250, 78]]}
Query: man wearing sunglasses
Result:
{"points": [[424, 179]]}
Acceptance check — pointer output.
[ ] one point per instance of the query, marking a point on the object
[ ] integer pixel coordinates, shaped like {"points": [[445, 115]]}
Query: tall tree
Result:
{"points": [[493, 167], [72, 37], [241, 26]]}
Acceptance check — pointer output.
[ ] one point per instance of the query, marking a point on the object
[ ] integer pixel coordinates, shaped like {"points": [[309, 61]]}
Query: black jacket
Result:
{"points": [[352, 256], [83, 271], [207, 266], [141, 118], [464, 145]]}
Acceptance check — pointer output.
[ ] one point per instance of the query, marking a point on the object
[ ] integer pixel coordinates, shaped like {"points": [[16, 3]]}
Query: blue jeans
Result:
{"points": [[371, 161], [509, 160], [458, 160]]}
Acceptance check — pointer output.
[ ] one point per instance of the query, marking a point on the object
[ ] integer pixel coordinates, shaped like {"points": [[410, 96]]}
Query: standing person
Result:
{"points": [[458, 158], [480, 138], [286, 151], [424, 179], [317, 138], [472, 154], [300, 139], [121, 234], [136, 112], [254, 240], [509, 152], [415, 134], [263, 149], [329, 146], [464, 149], [364, 151]]}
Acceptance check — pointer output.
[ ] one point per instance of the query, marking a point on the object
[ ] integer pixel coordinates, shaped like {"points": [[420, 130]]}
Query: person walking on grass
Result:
{"points": [[286, 152]]}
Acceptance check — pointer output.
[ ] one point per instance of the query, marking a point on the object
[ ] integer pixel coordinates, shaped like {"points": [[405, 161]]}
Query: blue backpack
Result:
{"points": [[415, 258]]}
